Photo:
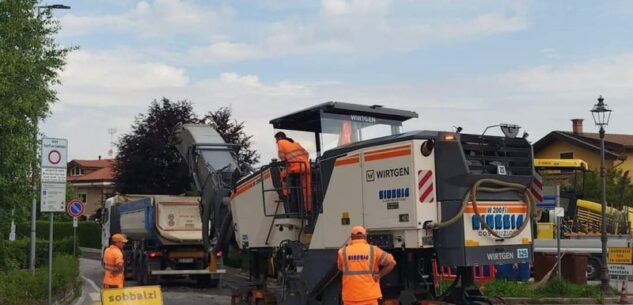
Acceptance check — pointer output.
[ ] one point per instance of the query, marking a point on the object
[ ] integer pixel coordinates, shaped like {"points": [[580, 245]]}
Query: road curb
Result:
{"points": [[69, 296]]}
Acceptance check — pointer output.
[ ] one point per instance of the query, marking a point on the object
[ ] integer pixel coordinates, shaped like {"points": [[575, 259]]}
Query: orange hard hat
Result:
{"points": [[119, 238], [359, 230]]}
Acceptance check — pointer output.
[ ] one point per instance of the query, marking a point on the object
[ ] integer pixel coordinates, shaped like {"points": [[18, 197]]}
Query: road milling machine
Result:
{"points": [[460, 200]]}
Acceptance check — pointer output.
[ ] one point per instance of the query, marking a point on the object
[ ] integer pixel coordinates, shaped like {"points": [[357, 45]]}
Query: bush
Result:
{"points": [[88, 232], [21, 287], [554, 288], [15, 254]]}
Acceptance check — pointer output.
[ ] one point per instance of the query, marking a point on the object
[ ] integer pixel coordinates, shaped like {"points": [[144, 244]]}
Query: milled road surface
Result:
{"points": [[178, 292]]}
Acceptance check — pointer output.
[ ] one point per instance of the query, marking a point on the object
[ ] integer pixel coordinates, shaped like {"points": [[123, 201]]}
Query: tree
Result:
{"points": [[232, 131], [30, 61], [618, 187], [147, 163]]}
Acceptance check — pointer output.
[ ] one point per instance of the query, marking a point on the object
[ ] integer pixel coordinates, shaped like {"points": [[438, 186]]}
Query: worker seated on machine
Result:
{"points": [[296, 175]]}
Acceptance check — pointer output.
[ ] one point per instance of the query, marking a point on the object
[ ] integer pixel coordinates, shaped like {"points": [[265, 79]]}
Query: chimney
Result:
{"points": [[576, 125]]}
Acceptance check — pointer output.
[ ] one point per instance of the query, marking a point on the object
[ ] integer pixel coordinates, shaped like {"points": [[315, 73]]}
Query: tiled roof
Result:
{"points": [[623, 139], [93, 163], [98, 170], [103, 174]]}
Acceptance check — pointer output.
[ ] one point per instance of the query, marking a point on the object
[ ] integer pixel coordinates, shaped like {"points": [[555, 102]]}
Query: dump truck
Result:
{"points": [[165, 238], [428, 197]]}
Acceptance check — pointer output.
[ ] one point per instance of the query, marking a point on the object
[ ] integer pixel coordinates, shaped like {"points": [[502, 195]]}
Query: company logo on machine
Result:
{"points": [[503, 219], [372, 175], [500, 256], [393, 194], [362, 118], [522, 253], [425, 185]]}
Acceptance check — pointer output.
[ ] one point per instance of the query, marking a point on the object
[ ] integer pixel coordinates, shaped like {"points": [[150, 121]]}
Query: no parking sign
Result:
{"points": [[75, 208]]}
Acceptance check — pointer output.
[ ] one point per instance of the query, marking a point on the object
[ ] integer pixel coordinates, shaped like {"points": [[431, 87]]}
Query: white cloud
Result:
{"points": [[356, 27], [155, 19]]}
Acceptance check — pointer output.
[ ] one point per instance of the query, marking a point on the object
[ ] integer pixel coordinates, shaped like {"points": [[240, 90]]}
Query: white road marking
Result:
{"points": [[95, 296], [94, 286]]}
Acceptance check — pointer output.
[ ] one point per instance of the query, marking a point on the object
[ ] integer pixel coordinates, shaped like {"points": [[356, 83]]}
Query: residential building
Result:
{"points": [[577, 144], [92, 181]]}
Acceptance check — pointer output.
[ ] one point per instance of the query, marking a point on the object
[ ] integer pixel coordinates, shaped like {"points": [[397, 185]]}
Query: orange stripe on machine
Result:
{"points": [[388, 154], [349, 160], [250, 183]]}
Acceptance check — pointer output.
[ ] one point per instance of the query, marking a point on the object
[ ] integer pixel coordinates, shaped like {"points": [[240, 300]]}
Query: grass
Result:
{"points": [[554, 288]]}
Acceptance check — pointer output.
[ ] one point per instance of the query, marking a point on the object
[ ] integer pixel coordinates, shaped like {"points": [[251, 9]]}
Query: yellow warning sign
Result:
{"points": [[620, 255], [143, 295]]}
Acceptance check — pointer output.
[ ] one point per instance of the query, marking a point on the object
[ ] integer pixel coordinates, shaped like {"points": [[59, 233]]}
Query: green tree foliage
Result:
{"points": [[30, 61], [232, 131], [618, 187], [147, 163]]}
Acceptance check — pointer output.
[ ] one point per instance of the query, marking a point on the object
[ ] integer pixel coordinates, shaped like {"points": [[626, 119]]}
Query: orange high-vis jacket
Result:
{"points": [[298, 163], [358, 262], [295, 154], [113, 265]]}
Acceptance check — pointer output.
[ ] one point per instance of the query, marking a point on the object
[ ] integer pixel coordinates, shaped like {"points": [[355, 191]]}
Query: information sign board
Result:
{"points": [[53, 197], [620, 255], [620, 270]]}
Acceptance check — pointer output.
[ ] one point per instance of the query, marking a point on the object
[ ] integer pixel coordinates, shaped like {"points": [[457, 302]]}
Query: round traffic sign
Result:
{"points": [[54, 156], [75, 208]]}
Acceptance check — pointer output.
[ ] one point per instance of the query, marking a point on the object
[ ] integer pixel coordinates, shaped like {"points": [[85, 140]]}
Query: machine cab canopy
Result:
{"points": [[336, 124]]}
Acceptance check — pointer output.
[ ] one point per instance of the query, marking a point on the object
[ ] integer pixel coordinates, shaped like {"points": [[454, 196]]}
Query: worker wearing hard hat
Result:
{"points": [[363, 265], [113, 262], [297, 172]]}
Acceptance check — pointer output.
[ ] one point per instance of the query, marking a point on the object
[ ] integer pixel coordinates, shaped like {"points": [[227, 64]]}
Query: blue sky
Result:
{"points": [[468, 63]]}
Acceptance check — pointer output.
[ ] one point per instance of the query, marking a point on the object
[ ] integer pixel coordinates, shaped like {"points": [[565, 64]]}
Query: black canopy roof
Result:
{"points": [[309, 119]]}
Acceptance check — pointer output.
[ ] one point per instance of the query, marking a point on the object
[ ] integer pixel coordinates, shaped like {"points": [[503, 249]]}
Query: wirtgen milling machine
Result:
{"points": [[459, 199]]}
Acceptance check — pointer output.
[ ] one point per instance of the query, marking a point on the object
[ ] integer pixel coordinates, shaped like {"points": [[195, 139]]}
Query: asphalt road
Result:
{"points": [[177, 292]]}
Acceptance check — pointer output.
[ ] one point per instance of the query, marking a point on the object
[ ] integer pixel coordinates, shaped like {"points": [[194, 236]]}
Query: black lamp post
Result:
{"points": [[601, 115]]}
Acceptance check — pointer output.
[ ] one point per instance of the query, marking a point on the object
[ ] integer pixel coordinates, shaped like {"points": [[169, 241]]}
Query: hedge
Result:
{"points": [[15, 254], [88, 232], [20, 287]]}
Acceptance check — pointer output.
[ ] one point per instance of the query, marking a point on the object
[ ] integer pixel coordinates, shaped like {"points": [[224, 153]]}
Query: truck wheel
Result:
{"points": [[593, 269]]}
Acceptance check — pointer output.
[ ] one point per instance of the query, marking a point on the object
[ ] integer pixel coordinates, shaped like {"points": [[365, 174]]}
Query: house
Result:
{"points": [[92, 181], [577, 144]]}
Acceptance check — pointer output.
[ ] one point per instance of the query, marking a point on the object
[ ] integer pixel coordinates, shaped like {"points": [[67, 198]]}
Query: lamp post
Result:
{"points": [[601, 115]]}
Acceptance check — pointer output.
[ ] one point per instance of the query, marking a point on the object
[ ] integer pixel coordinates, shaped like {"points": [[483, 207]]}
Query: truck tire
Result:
{"points": [[593, 269]]}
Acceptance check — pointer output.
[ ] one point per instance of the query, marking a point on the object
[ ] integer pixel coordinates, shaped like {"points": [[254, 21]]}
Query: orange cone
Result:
{"points": [[623, 293]]}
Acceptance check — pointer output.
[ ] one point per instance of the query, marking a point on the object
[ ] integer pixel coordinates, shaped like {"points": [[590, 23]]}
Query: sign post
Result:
{"points": [[74, 209], [559, 213], [53, 178]]}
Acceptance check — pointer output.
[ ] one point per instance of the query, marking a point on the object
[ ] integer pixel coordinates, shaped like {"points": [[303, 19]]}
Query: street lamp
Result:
{"points": [[601, 115], [52, 7]]}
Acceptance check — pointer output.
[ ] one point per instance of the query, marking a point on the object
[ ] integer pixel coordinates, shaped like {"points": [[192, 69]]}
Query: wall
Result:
{"points": [[557, 147], [95, 197]]}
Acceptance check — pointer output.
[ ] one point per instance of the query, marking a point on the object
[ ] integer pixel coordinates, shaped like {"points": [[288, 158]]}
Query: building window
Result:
{"points": [[76, 171], [567, 155], [83, 197]]}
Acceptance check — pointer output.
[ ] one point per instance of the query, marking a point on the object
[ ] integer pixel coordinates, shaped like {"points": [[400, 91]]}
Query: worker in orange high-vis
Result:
{"points": [[297, 172], [363, 265], [113, 263]]}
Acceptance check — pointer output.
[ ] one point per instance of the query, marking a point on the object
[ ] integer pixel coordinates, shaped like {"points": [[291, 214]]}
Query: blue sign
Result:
{"points": [[498, 221], [75, 208]]}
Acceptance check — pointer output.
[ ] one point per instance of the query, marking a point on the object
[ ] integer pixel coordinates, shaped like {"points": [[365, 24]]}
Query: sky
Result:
{"points": [[472, 64]]}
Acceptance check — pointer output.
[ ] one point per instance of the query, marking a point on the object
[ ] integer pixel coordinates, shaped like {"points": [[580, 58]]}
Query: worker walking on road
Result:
{"points": [[297, 173], [363, 265], [113, 263]]}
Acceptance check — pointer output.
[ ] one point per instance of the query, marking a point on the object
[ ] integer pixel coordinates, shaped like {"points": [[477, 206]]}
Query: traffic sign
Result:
{"points": [[75, 208], [54, 152]]}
